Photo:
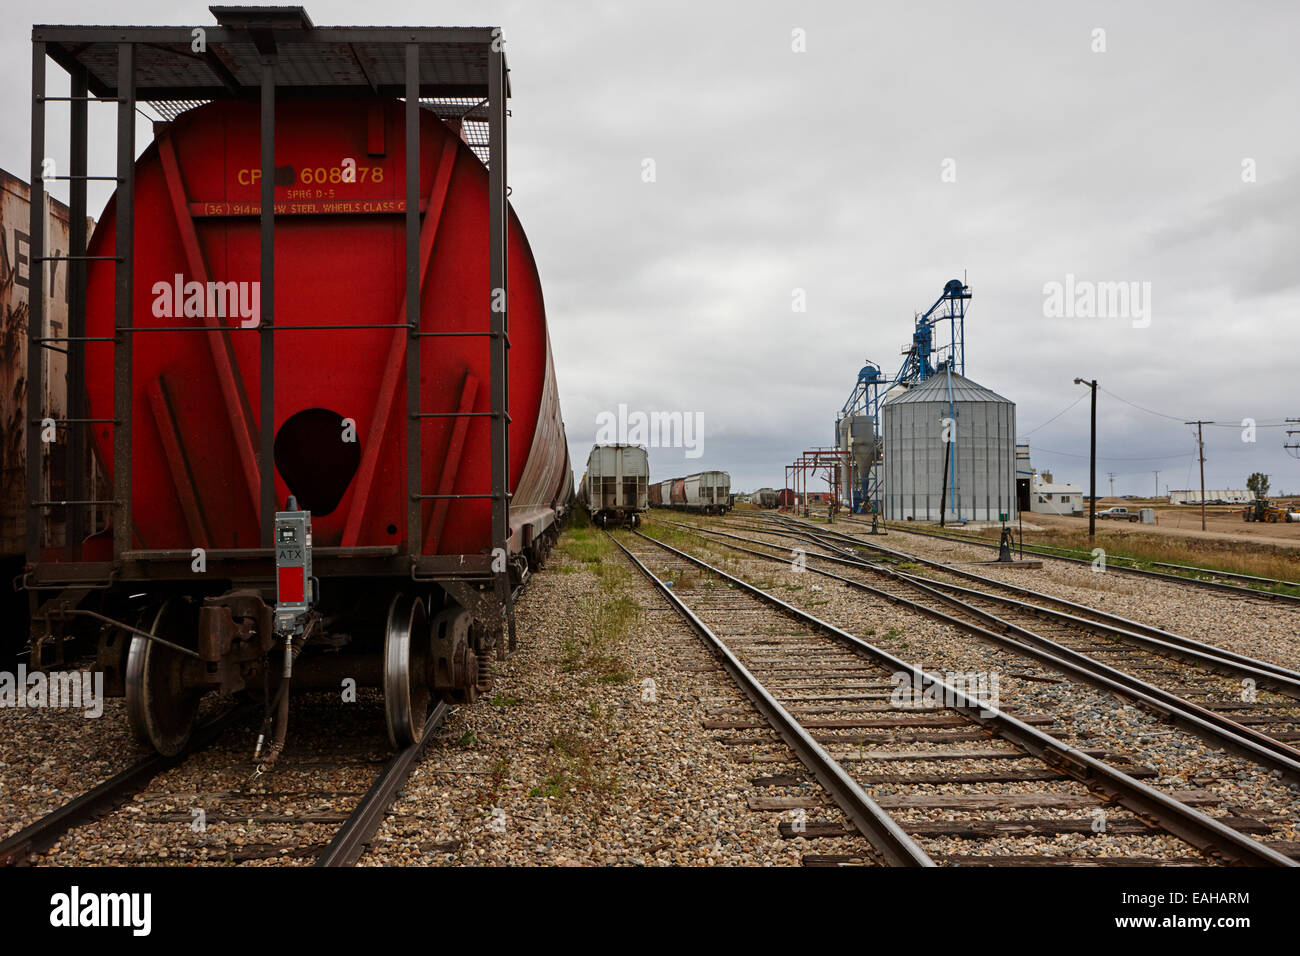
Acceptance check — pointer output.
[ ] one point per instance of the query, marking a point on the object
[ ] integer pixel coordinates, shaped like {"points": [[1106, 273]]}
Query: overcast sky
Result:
{"points": [[824, 170]]}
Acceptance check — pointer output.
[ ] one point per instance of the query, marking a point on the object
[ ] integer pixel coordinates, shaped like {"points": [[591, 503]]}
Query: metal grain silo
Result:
{"points": [[981, 465]]}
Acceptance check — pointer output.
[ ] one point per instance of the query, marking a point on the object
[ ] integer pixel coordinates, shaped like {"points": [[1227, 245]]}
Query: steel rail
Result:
{"points": [[1104, 617], [44, 832], [350, 840], [1281, 679], [1177, 818], [1207, 723], [1158, 575], [877, 826], [1226, 574]]}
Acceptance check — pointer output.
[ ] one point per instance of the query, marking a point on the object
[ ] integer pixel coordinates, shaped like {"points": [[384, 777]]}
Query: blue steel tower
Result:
{"points": [[922, 359]]}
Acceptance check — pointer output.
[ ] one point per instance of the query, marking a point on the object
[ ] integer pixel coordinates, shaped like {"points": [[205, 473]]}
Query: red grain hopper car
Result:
{"points": [[431, 496]]}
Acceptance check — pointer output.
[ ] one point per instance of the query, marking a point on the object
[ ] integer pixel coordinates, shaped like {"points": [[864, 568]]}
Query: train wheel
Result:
{"points": [[406, 668], [159, 707], [455, 665]]}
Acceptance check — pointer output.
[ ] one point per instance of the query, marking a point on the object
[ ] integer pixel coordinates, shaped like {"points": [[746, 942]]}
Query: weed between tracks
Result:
{"points": [[579, 765], [572, 765], [596, 651]]}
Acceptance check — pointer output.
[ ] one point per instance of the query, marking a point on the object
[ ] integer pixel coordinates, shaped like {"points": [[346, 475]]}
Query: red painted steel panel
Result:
{"points": [[290, 585], [339, 260], [679, 492]]}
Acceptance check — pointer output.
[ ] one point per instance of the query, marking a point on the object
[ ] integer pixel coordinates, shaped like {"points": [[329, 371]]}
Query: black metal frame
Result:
{"points": [[264, 28]]}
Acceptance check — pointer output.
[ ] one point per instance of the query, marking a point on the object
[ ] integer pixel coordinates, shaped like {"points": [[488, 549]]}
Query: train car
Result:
{"points": [[661, 494], [786, 498], [615, 486], [708, 492], [308, 486], [16, 271], [765, 498]]}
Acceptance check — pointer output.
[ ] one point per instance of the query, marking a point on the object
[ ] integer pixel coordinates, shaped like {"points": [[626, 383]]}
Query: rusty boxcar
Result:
{"points": [[16, 270]]}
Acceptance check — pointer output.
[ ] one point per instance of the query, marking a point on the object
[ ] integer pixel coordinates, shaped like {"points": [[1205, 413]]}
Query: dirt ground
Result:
{"points": [[1221, 523]]}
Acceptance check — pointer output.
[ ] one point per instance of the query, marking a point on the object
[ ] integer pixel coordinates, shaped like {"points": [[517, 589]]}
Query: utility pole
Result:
{"points": [[1157, 484], [1092, 456], [1111, 476], [1201, 445]]}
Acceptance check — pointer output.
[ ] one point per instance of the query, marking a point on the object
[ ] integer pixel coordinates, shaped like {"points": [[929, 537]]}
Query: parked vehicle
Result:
{"points": [[708, 492], [615, 485], [340, 511], [1262, 510], [1118, 514]]}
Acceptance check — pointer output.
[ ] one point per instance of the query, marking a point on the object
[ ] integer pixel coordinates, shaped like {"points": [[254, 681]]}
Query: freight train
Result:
{"points": [[614, 488], [708, 492], [428, 455], [16, 271]]}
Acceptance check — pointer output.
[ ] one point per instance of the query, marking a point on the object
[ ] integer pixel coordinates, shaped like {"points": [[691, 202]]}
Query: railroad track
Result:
{"points": [[1114, 563], [1096, 650], [888, 555], [352, 829], [943, 777]]}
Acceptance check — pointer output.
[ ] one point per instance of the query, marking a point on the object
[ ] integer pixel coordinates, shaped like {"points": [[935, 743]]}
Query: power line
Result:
{"points": [[1180, 418], [1069, 454], [1177, 418], [1081, 397]]}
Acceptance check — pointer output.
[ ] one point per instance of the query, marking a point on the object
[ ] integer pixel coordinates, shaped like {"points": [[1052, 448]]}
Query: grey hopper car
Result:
{"points": [[708, 492], [615, 486]]}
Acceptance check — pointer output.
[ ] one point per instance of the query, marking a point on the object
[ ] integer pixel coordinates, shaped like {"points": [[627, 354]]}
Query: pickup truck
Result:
{"points": [[1118, 514]]}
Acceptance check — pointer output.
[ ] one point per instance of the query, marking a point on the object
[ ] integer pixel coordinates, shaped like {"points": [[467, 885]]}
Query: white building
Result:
{"points": [[1212, 496], [1048, 498]]}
